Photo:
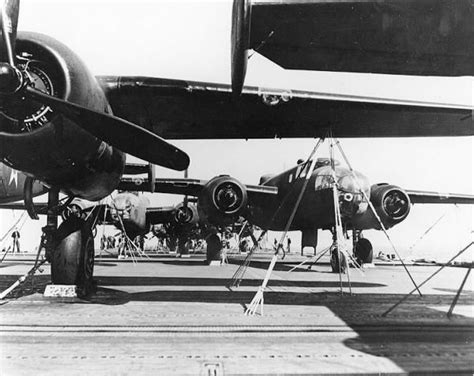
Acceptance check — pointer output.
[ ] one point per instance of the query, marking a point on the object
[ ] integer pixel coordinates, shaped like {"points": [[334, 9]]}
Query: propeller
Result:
{"points": [[8, 26], [118, 132]]}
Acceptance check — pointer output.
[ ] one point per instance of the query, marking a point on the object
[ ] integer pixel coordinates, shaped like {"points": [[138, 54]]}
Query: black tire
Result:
{"points": [[336, 266], [73, 256], [364, 251]]}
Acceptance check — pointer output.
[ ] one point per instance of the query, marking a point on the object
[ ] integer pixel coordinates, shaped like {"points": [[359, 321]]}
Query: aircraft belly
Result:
{"points": [[315, 211]]}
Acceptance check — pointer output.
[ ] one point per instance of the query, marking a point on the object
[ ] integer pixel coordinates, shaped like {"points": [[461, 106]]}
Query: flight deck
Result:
{"points": [[165, 315]]}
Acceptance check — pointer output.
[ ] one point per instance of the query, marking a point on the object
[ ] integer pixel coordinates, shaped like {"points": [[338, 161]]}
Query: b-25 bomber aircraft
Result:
{"points": [[57, 123], [223, 199]]}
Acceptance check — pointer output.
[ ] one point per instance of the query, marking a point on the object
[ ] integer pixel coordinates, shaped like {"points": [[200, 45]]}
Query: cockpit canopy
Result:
{"points": [[346, 181]]}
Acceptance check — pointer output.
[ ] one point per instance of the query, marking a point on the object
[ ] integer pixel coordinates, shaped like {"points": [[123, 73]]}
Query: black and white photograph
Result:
{"points": [[236, 187]]}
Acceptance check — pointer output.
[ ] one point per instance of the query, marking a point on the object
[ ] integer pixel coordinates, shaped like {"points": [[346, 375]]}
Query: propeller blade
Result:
{"points": [[118, 132], [8, 25]]}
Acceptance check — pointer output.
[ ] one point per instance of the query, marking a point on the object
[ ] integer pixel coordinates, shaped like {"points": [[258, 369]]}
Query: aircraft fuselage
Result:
{"points": [[12, 184]]}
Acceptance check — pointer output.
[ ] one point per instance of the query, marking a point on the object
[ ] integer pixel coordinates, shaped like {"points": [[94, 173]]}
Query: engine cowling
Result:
{"points": [[48, 145], [76, 209], [186, 214], [391, 203], [222, 200]]}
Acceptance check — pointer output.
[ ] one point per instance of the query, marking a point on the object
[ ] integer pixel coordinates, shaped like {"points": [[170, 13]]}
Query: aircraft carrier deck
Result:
{"points": [[166, 316]]}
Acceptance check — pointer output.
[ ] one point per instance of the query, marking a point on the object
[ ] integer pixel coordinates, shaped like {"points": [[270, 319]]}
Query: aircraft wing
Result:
{"points": [[178, 109], [409, 37], [423, 197], [189, 187]]}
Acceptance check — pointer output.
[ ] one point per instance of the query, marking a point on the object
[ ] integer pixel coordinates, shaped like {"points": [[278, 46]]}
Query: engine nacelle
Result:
{"points": [[185, 215], [222, 200], [391, 203], [76, 208], [46, 144], [128, 212]]}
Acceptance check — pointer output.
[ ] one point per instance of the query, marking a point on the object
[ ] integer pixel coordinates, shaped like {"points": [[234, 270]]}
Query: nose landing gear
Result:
{"points": [[338, 261], [363, 250]]}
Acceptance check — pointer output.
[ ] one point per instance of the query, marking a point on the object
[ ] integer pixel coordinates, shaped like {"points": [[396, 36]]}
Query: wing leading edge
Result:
{"points": [[189, 187], [425, 197]]}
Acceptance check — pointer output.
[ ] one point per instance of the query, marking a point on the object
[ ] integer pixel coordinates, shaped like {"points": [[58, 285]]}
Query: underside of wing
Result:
{"points": [[188, 187], [178, 109], [191, 187], [423, 197], [409, 37]]}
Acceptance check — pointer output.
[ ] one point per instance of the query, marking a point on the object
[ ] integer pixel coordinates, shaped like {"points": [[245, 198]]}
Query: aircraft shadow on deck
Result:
{"points": [[38, 283], [423, 350], [366, 306], [280, 266], [199, 281]]}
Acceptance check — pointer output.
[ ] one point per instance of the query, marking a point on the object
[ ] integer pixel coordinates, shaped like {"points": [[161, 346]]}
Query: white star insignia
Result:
{"points": [[13, 178]]}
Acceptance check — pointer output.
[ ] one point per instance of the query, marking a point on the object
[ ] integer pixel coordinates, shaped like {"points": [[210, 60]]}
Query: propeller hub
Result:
{"points": [[10, 79]]}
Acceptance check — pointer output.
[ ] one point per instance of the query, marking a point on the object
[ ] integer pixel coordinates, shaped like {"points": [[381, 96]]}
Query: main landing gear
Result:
{"points": [[69, 248], [362, 250], [72, 259]]}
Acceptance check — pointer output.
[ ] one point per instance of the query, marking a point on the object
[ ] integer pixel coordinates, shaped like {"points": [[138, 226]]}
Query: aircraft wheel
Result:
{"points": [[364, 251], [336, 266], [214, 246], [73, 257]]}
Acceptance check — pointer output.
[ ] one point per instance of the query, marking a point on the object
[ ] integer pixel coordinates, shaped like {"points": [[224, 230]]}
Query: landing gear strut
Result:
{"points": [[69, 248]]}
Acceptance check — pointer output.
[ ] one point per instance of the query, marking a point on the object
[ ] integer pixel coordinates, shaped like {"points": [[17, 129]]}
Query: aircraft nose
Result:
{"points": [[353, 183], [351, 198]]}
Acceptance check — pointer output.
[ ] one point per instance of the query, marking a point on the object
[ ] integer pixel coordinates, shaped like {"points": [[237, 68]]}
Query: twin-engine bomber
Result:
{"points": [[223, 199]]}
